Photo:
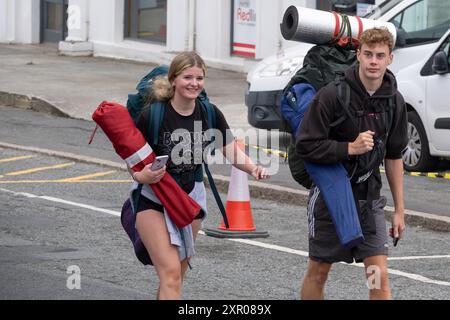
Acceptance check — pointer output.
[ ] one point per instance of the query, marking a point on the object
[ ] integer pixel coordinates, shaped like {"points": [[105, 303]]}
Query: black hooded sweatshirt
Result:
{"points": [[318, 142]]}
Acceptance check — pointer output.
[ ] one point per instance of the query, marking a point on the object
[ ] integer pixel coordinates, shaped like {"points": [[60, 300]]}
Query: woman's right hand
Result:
{"points": [[148, 176]]}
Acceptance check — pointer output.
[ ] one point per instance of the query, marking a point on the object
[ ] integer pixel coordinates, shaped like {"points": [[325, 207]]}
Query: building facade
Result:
{"points": [[228, 34]]}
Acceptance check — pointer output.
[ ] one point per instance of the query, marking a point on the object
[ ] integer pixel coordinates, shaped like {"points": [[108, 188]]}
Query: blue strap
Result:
{"points": [[216, 195], [156, 116], [211, 119]]}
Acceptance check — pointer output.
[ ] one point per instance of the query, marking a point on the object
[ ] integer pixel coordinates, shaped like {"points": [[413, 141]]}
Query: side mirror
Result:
{"points": [[440, 62], [400, 40]]}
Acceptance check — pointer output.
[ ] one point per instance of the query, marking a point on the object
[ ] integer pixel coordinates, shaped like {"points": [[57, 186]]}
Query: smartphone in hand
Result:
{"points": [[159, 162]]}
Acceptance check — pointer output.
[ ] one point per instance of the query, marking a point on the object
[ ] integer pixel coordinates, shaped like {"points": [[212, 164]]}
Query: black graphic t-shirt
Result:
{"points": [[185, 139]]}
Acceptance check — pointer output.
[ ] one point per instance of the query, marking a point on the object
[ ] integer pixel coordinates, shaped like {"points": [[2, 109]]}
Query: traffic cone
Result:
{"points": [[238, 210]]}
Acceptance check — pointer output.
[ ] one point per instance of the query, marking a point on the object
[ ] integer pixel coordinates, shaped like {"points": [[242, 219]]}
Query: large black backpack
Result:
{"points": [[324, 64]]}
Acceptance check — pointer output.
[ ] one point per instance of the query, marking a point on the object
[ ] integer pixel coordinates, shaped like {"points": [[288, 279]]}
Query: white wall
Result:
{"points": [[106, 20], [213, 28], [177, 24], [19, 21], [27, 21], [267, 28], [102, 24], [78, 20], [3, 21], [210, 36]]}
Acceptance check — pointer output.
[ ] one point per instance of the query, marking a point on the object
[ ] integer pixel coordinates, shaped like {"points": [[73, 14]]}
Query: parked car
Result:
{"points": [[425, 86], [421, 29]]}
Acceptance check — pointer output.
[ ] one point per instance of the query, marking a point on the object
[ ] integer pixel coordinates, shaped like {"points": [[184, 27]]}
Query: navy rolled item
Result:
{"points": [[336, 189]]}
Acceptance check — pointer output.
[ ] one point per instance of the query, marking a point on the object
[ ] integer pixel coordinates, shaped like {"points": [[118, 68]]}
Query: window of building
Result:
{"points": [[53, 20], [146, 20]]}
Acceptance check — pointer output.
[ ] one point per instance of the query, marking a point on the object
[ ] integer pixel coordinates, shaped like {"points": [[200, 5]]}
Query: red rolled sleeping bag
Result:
{"points": [[131, 146]]}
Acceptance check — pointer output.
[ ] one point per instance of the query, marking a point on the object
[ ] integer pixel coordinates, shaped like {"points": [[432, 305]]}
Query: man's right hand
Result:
{"points": [[362, 144]]}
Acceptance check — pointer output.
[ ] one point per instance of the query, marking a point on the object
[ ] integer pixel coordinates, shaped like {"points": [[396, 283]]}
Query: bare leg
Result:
{"points": [[377, 278], [314, 281], [153, 231]]}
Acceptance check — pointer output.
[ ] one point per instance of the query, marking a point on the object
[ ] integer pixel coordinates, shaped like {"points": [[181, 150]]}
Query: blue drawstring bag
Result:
{"points": [[333, 182]]}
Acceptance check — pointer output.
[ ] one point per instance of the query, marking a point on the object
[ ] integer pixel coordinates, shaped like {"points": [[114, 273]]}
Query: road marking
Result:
{"points": [[305, 254], [284, 155], [71, 203], [420, 257], [16, 158], [62, 181], [442, 175], [58, 166], [411, 276], [92, 175], [429, 174], [278, 153]]}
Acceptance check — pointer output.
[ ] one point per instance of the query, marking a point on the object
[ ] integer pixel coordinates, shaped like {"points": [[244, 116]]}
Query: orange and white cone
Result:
{"points": [[238, 210]]}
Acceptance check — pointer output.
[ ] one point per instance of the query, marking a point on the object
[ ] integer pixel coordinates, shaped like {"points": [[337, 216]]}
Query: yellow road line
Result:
{"points": [[61, 181], [16, 158], [87, 176], [279, 153], [58, 166], [284, 155]]}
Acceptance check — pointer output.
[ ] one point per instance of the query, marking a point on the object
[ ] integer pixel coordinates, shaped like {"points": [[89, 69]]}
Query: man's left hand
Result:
{"points": [[398, 225]]}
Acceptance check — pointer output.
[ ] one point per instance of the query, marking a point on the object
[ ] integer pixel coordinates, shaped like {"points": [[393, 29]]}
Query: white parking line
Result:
{"points": [[412, 276], [75, 204]]}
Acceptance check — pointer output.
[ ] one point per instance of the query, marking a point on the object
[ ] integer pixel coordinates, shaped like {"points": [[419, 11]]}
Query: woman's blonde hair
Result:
{"points": [[162, 87]]}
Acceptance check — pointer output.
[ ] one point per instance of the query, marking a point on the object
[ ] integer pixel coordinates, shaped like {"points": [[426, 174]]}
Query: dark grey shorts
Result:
{"points": [[324, 245]]}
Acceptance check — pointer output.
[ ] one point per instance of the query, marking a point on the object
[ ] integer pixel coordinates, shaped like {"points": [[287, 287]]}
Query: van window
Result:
{"points": [[446, 48], [424, 21], [380, 10]]}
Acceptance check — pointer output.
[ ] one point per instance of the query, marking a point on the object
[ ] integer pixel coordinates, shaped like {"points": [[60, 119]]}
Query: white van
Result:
{"points": [[425, 85], [421, 28]]}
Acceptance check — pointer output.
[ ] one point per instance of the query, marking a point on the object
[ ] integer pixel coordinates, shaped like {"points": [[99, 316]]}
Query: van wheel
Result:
{"points": [[416, 155]]}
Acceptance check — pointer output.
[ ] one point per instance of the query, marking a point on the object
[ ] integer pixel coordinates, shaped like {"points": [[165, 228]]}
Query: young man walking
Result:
{"points": [[370, 132]]}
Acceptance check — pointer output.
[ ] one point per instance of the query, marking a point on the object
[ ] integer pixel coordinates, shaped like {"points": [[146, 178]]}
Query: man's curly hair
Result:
{"points": [[376, 36]]}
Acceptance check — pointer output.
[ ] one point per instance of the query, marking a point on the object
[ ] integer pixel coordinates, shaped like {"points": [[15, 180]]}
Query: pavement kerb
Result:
{"points": [[28, 102], [258, 189]]}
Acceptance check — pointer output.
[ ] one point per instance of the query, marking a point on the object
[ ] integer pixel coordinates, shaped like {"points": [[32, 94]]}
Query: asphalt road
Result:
{"points": [[65, 217], [49, 226], [24, 127]]}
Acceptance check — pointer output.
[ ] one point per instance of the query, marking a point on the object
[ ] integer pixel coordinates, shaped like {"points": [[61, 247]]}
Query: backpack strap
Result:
{"points": [[343, 96], [211, 120], [155, 119], [389, 119]]}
